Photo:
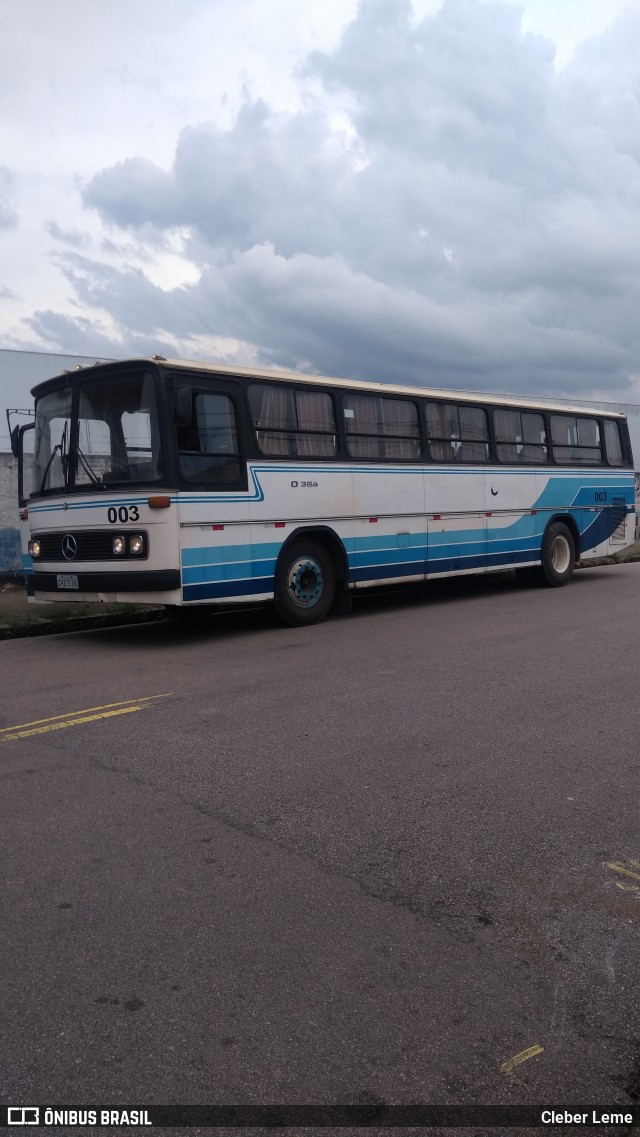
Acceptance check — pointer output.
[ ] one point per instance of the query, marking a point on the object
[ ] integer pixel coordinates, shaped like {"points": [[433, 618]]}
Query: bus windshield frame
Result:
{"points": [[98, 431]]}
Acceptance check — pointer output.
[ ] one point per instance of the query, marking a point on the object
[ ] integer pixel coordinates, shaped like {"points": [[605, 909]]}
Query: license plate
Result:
{"points": [[66, 580]]}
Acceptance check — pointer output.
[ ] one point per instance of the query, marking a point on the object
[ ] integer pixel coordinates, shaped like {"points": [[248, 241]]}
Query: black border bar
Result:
{"points": [[156, 580]]}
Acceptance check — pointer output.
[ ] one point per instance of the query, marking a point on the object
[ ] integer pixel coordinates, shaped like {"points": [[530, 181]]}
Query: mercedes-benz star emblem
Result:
{"points": [[69, 546]]}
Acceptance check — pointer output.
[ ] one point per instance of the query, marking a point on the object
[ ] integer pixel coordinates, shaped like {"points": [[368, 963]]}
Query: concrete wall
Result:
{"points": [[10, 552]]}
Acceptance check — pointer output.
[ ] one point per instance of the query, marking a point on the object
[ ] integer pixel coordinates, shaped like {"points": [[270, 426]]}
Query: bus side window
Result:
{"points": [[613, 444], [457, 433], [576, 440], [208, 439], [520, 436]]}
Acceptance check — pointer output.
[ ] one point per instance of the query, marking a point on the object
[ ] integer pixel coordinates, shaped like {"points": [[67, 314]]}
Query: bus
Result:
{"points": [[168, 482]]}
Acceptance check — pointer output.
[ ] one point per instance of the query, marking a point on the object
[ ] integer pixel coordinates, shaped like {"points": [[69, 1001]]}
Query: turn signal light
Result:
{"points": [[160, 502]]}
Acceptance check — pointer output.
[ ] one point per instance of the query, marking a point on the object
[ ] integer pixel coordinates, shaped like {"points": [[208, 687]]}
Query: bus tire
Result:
{"points": [[558, 555], [305, 582]]}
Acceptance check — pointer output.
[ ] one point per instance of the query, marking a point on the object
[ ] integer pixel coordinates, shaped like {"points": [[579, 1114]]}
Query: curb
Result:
{"points": [[46, 627], [616, 559]]}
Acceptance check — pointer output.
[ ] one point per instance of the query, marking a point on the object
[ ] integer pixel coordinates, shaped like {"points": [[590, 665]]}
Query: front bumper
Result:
{"points": [[147, 580]]}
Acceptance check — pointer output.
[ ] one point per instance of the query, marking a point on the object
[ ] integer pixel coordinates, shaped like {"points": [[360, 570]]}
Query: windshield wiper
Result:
{"points": [[95, 480], [61, 449], [57, 448]]}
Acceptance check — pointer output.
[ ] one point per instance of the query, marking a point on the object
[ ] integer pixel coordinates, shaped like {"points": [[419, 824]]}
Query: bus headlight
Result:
{"points": [[136, 544], [118, 546], [33, 548]]}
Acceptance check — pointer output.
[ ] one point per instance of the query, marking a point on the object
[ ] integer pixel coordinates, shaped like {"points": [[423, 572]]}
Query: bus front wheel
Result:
{"points": [[305, 583]]}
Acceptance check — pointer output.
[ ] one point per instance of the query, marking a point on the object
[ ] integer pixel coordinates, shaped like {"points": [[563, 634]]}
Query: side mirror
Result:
{"points": [[183, 406], [15, 441]]}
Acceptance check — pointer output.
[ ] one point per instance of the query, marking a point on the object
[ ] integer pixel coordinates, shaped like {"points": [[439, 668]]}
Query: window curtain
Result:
{"points": [[474, 444], [400, 418], [315, 413], [364, 423], [439, 432], [270, 406]]}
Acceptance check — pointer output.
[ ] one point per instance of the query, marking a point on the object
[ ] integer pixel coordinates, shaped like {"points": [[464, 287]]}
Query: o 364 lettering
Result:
{"points": [[304, 485], [123, 514]]}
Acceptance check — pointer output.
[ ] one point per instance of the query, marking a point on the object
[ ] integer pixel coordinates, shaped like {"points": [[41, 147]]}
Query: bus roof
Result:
{"points": [[473, 397]]}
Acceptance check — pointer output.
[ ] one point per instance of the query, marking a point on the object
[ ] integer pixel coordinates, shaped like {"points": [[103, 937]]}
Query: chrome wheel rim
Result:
{"points": [[305, 582], [560, 554]]}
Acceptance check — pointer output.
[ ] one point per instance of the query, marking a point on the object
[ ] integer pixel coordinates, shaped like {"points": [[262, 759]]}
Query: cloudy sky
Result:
{"points": [[443, 192]]}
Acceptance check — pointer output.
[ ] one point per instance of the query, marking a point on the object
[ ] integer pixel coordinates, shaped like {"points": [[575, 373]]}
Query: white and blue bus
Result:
{"points": [[184, 484]]}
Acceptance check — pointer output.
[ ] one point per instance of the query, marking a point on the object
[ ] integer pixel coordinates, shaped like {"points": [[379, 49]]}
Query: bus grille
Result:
{"points": [[91, 545]]}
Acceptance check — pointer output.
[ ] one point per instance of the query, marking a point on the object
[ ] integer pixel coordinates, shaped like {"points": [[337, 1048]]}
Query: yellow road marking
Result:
{"points": [[511, 1063], [76, 718], [621, 869], [70, 722]]}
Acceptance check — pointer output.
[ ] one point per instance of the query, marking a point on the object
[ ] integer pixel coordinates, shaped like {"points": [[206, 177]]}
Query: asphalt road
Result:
{"points": [[377, 858]]}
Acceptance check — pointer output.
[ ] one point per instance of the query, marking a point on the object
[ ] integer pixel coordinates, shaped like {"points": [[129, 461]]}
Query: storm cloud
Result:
{"points": [[446, 207]]}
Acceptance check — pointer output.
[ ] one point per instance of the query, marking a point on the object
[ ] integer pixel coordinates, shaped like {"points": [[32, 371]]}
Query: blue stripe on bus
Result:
{"points": [[374, 557], [388, 570], [219, 590], [225, 554], [352, 544], [240, 571], [451, 558], [387, 556]]}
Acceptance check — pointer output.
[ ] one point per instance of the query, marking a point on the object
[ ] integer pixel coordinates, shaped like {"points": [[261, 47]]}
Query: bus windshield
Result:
{"points": [[97, 432]]}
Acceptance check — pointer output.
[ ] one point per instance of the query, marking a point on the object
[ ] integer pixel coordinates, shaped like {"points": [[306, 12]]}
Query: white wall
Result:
{"points": [[10, 553]]}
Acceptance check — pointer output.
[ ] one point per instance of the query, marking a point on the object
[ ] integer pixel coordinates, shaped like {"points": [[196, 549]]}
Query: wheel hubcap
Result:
{"points": [[560, 554], [305, 582]]}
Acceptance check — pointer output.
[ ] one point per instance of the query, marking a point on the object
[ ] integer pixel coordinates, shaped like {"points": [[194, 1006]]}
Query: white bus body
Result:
{"points": [[462, 484]]}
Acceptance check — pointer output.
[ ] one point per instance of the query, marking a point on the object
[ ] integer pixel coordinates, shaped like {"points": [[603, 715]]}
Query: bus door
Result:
{"points": [[514, 486], [389, 536], [215, 532], [511, 518], [22, 439], [456, 521], [456, 491]]}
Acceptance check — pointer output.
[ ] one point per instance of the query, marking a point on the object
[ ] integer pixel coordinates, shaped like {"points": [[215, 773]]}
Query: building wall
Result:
{"points": [[10, 551], [19, 372]]}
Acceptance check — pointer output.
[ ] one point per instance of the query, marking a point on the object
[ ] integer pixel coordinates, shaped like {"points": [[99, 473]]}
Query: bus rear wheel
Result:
{"points": [[558, 557], [305, 583]]}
